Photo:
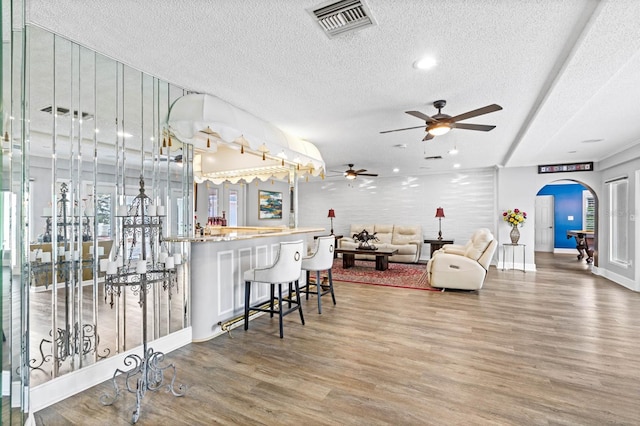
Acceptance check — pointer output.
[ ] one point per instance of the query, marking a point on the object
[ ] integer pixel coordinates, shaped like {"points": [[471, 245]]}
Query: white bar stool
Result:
{"points": [[285, 269], [321, 260]]}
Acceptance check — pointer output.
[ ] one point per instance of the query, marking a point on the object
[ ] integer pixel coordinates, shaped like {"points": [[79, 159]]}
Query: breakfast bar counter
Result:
{"points": [[217, 264]]}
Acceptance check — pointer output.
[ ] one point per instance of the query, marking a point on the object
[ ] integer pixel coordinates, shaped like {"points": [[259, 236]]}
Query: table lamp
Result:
{"points": [[439, 215], [331, 214]]}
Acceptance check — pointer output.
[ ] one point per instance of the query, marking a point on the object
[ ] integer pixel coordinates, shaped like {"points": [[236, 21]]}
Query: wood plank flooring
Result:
{"points": [[559, 346]]}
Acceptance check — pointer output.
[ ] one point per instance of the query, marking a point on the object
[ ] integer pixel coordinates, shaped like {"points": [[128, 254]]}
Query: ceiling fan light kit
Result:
{"points": [[351, 173], [438, 129], [440, 123]]}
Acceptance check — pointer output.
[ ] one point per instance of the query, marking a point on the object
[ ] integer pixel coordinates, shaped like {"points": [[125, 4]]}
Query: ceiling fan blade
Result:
{"points": [[428, 137], [367, 174], [360, 171], [406, 128], [422, 116], [481, 127], [475, 113]]}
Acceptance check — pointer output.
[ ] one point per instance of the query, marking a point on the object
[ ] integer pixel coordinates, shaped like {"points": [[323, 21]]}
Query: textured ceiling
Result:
{"points": [[564, 72]]}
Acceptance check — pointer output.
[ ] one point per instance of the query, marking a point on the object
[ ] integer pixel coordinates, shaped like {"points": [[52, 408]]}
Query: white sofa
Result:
{"points": [[406, 239], [463, 267]]}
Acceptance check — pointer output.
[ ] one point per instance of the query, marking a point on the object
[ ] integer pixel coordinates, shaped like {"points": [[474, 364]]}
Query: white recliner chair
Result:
{"points": [[462, 248], [465, 271], [285, 270]]}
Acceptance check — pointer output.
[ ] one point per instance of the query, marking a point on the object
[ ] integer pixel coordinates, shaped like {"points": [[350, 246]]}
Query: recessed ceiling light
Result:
{"points": [[425, 63], [124, 134], [456, 166], [396, 170], [454, 151]]}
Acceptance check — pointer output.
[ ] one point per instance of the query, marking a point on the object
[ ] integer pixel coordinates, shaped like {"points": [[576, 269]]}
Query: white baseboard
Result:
{"points": [[72, 383], [529, 267], [565, 251], [616, 278]]}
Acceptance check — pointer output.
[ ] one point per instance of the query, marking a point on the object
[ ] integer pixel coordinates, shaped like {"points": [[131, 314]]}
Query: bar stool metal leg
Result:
{"points": [[297, 284], [333, 296], [280, 310], [247, 297], [318, 291]]}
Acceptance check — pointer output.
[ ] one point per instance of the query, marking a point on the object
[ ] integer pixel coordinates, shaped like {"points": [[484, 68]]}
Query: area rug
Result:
{"points": [[405, 275]]}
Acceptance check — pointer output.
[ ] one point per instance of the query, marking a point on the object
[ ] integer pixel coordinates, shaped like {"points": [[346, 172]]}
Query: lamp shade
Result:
{"points": [[438, 129], [332, 213], [439, 212]]}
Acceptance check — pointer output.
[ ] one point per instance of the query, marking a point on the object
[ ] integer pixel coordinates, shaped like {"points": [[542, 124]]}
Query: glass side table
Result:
{"points": [[514, 247]]}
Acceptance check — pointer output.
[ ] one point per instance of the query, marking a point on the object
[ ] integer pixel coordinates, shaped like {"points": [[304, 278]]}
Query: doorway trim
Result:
{"points": [[597, 207]]}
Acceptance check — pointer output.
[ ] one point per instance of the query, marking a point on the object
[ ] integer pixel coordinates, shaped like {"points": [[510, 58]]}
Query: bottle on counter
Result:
{"points": [[224, 219]]}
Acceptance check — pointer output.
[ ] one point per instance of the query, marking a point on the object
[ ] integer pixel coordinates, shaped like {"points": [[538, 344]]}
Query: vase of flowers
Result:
{"points": [[515, 218]]}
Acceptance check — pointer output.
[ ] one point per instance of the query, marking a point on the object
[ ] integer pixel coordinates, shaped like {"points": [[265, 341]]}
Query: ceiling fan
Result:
{"points": [[351, 174], [441, 123]]}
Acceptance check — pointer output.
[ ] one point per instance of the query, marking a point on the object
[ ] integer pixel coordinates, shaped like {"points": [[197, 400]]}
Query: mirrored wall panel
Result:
{"points": [[96, 135]]}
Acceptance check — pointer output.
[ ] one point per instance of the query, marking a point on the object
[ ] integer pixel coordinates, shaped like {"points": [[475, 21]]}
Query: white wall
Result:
{"points": [[517, 188], [468, 200], [252, 203], [627, 276], [471, 199], [250, 199]]}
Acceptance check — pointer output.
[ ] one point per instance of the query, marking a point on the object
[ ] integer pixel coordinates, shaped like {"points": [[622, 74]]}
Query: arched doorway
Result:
{"points": [[563, 207]]}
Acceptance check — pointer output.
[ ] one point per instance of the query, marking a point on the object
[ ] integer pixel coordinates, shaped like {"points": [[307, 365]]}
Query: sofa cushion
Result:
{"points": [[478, 246], [383, 233], [406, 234], [402, 249]]}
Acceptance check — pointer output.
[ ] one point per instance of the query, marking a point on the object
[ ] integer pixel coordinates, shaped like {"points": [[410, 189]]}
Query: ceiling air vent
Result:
{"points": [[342, 16], [61, 111]]}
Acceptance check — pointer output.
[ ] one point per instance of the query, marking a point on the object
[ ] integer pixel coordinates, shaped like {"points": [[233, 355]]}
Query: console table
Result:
{"points": [[382, 257], [437, 244]]}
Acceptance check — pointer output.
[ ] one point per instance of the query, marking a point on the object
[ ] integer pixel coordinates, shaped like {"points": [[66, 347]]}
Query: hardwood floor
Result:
{"points": [[559, 346]]}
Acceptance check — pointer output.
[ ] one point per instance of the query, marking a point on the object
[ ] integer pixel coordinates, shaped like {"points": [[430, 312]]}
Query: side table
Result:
{"points": [[513, 255], [437, 244]]}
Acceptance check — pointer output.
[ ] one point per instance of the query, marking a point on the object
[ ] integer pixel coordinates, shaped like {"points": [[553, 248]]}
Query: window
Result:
{"points": [[103, 215], [618, 221], [213, 202], [232, 220], [588, 211]]}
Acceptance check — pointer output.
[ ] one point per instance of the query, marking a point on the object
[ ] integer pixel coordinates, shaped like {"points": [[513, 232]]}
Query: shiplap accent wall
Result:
{"points": [[468, 199]]}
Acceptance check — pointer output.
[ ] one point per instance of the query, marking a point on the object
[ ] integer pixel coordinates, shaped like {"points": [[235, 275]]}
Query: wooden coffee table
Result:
{"points": [[382, 257]]}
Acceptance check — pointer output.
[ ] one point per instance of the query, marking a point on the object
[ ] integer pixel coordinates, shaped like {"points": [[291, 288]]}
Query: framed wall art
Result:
{"points": [[269, 205]]}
